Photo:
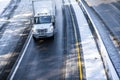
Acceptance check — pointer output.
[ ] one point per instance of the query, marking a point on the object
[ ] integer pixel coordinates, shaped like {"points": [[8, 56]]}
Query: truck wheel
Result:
{"points": [[53, 37], [35, 38]]}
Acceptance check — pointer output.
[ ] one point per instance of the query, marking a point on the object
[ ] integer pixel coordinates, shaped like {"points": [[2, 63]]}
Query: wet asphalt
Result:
{"points": [[44, 58]]}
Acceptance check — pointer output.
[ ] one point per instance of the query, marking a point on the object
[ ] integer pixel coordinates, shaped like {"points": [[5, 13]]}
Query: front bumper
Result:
{"points": [[44, 35]]}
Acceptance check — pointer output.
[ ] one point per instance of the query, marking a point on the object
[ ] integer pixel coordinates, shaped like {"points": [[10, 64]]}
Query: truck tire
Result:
{"points": [[35, 38], [53, 37]]}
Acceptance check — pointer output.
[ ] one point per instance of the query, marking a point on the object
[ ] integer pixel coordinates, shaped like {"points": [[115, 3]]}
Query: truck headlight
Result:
{"points": [[34, 30], [51, 29]]}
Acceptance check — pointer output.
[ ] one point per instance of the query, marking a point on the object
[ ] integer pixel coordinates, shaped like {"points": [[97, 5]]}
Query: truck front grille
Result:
{"points": [[42, 30]]}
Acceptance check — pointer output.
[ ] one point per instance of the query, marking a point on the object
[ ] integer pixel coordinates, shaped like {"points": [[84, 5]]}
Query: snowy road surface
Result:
{"points": [[109, 12], [49, 59], [56, 59], [12, 32]]}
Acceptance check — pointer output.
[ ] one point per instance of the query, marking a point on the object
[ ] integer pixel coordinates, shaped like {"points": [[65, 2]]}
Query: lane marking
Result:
{"points": [[20, 60], [77, 47]]}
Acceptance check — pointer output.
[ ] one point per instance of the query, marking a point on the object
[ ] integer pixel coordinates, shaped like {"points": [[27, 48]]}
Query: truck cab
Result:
{"points": [[43, 26]]}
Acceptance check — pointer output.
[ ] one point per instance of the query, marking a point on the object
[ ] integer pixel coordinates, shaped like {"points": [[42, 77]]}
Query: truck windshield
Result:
{"points": [[42, 19]]}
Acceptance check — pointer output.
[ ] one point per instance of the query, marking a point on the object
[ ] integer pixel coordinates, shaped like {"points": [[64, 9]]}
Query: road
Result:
{"points": [[44, 59], [14, 28], [69, 56], [60, 58]]}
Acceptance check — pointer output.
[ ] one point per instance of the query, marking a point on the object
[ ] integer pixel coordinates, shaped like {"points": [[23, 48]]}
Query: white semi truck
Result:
{"points": [[44, 18]]}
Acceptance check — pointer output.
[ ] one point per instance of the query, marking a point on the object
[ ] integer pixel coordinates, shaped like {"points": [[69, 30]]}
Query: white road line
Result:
{"points": [[18, 64]]}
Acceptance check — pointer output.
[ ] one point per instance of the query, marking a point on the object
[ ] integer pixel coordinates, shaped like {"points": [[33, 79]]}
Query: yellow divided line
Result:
{"points": [[79, 61], [77, 48]]}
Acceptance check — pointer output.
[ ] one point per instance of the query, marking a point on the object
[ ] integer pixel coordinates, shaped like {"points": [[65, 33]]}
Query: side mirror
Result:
{"points": [[32, 21], [53, 19]]}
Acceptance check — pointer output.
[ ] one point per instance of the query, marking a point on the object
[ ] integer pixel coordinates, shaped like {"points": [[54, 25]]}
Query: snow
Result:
{"points": [[93, 63], [94, 69], [3, 5], [14, 30]]}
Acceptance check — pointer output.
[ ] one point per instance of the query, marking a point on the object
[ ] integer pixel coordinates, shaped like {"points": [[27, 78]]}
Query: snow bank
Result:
{"points": [[3, 5]]}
